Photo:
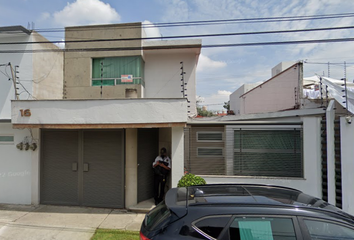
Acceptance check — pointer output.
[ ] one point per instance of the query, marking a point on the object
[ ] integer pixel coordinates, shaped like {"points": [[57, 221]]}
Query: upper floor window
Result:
{"points": [[113, 71]]}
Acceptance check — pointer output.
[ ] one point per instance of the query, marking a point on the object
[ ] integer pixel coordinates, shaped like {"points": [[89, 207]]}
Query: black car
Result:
{"points": [[245, 212]]}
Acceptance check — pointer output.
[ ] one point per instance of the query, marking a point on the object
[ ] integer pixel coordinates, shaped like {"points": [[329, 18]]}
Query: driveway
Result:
{"points": [[61, 222]]}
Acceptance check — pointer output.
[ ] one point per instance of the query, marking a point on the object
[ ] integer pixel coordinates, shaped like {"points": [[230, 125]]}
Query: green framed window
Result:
{"points": [[6, 139], [113, 71]]}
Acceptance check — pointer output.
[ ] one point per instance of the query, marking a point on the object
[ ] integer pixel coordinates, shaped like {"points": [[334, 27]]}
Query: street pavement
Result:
{"points": [[62, 222]]}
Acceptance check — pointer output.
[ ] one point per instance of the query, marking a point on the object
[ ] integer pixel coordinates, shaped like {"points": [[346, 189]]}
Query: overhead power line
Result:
{"points": [[184, 36], [336, 40], [213, 22]]}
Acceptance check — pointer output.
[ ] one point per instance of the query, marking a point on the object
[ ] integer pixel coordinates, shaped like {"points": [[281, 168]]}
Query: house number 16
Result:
{"points": [[25, 113]]}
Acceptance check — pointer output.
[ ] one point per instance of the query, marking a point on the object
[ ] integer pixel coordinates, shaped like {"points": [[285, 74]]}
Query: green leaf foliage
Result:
{"points": [[190, 180]]}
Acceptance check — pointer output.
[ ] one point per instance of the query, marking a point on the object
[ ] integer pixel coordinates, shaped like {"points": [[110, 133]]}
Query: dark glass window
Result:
{"points": [[159, 215], [321, 230], [210, 226], [272, 153], [265, 228]]}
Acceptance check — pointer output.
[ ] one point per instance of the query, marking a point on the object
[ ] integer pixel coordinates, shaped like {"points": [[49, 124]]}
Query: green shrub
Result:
{"points": [[190, 180]]}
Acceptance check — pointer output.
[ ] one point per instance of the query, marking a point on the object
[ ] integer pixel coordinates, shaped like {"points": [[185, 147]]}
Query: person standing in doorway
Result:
{"points": [[161, 166]]}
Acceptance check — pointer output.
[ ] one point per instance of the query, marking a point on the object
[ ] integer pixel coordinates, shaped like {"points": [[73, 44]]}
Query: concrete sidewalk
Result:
{"points": [[61, 222]]}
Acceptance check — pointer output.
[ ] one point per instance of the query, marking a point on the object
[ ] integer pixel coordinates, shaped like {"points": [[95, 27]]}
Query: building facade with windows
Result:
{"points": [[25, 73], [122, 101], [278, 149], [283, 138]]}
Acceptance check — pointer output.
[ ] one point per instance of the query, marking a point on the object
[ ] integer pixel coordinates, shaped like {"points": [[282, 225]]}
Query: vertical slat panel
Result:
{"points": [[59, 183], [103, 183]]}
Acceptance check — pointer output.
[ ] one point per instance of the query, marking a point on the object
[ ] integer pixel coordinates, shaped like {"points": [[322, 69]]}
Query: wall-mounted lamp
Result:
{"points": [[33, 146], [26, 146], [348, 119], [20, 146]]}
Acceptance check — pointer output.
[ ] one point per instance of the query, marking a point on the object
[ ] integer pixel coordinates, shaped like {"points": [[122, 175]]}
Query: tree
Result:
{"points": [[200, 111], [204, 113], [227, 105]]}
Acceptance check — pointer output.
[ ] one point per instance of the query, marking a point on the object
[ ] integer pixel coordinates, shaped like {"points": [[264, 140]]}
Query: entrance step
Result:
{"points": [[143, 207]]}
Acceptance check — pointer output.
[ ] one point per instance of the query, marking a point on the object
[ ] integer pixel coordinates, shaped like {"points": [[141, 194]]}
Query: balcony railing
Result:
{"points": [[116, 81]]}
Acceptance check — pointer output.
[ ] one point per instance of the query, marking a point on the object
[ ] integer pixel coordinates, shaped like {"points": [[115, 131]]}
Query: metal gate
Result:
{"points": [[83, 167], [148, 149]]}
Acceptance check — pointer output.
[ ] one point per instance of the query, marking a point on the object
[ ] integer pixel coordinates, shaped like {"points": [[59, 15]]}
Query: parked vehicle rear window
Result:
{"points": [[157, 216], [265, 228], [327, 230], [211, 226]]}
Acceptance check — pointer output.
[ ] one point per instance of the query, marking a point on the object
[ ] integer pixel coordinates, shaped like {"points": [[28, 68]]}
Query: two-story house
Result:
{"points": [[23, 75], [124, 99]]}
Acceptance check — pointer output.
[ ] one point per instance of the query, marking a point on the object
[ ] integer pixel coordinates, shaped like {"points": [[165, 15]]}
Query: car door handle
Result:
{"points": [[86, 167], [74, 166]]}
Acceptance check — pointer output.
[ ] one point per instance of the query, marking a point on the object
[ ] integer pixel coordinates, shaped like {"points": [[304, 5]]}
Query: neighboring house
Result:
{"points": [[24, 75], [292, 140], [123, 101], [235, 101]]}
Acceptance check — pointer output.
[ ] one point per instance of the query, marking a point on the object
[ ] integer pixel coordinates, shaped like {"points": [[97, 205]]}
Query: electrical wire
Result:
{"points": [[333, 40], [209, 22], [182, 36]]}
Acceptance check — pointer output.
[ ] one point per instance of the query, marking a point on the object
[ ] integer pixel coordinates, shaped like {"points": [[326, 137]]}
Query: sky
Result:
{"points": [[220, 71]]}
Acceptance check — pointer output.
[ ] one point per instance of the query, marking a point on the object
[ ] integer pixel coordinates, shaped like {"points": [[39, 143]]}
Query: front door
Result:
{"points": [[83, 167]]}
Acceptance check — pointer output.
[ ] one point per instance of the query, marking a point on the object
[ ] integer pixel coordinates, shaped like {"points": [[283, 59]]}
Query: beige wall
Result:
{"points": [[204, 165], [47, 70], [78, 64], [276, 94]]}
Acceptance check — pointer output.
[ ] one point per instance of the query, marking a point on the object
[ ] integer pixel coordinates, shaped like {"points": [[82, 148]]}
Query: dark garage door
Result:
{"points": [[83, 167], [148, 149]]}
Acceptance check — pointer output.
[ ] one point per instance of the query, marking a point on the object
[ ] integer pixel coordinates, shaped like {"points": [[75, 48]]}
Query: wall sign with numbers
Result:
{"points": [[25, 112]]}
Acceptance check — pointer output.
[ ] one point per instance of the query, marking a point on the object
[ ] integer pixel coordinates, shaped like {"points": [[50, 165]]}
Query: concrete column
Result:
{"points": [[312, 156], [347, 157], [330, 115], [35, 169], [177, 153], [131, 167]]}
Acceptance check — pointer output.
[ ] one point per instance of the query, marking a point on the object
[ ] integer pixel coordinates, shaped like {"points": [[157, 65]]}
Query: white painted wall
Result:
{"points": [[177, 155], [347, 155], [15, 168], [276, 94], [331, 167], [163, 76], [311, 183], [281, 67], [235, 101], [24, 61], [123, 111]]}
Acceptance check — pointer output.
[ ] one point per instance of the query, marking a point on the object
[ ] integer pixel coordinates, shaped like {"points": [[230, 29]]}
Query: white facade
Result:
{"points": [[347, 152], [160, 106], [163, 71], [39, 75], [80, 112]]}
